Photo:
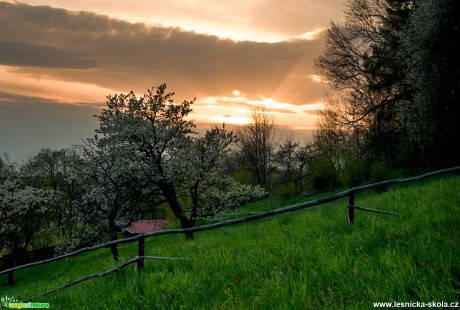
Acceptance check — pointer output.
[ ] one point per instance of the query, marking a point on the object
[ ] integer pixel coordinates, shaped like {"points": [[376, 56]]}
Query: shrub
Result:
{"points": [[285, 190], [354, 171], [323, 174]]}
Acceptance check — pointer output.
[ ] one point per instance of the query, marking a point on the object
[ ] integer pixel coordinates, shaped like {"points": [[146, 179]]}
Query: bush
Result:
{"points": [[243, 177], [381, 172], [285, 190], [323, 174], [354, 171]]}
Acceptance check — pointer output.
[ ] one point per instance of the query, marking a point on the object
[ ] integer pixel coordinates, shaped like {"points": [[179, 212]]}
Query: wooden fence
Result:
{"points": [[139, 260]]}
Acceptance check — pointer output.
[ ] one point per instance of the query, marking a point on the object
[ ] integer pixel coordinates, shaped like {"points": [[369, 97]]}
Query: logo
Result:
{"points": [[13, 303], [5, 301]]}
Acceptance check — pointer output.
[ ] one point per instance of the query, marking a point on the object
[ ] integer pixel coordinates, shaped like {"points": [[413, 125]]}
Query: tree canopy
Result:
{"points": [[393, 84], [178, 165]]}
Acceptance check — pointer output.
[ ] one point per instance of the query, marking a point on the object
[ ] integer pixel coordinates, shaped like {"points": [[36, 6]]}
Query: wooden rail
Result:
{"points": [[102, 274], [351, 208]]}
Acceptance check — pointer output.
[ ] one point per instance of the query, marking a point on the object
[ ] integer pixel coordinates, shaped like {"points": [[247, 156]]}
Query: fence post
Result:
{"points": [[351, 208], [140, 253], [10, 273]]}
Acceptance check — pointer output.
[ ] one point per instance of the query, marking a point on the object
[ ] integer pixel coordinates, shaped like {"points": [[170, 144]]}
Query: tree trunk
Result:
{"points": [[114, 249], [11, 264], [170, 194], [188, 224], [113, 237]]}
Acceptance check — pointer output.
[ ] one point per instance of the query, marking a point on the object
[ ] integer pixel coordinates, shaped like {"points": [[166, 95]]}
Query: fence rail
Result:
{"points": [[351, 207], [103, 274]]}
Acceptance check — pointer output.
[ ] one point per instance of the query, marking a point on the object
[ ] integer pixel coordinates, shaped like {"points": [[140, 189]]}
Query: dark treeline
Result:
{"points": [[393, 71]]}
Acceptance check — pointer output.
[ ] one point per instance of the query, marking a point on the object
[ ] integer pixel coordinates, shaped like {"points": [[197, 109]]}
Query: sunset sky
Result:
{"points": [[60, 59]]}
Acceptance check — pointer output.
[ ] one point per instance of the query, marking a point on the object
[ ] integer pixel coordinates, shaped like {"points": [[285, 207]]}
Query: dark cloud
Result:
{"points": [[119, 55], [8, 100], [27, 54]]}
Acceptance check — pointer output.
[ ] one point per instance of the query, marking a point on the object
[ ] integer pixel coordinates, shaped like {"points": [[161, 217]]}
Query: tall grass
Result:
{"points": [[293, 261]]}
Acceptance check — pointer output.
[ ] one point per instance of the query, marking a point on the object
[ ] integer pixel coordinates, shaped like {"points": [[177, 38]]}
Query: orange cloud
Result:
{"points": [[48, 87]]}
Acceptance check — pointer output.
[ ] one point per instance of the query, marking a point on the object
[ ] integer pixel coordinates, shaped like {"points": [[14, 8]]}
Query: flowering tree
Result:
{"points": [[183, 168], [211, 192], [113, 190], [54, 169], [23, 211]]}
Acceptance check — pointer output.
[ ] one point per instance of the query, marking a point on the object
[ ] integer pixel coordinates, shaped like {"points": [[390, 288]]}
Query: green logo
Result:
{"points": [[5, 301], [13, 303]]}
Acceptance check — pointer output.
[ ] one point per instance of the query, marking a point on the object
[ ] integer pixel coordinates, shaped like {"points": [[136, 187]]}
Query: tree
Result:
{"points": [[434, 73], [292, 159], [45, 168], [2, 168], [328, 145], [113, 189], [256, 143], [52, 169], [7, 168], [212, 192], [181, 167], [23, 211], [362, 66]]}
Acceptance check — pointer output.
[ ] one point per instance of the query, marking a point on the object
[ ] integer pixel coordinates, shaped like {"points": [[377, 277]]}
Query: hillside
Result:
{"points": [[309, 259]]}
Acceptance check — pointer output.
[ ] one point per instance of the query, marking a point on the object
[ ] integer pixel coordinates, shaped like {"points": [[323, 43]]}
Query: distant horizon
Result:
{"points": [[53, 140]]}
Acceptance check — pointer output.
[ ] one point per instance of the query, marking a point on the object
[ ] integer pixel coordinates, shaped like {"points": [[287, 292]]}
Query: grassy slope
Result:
{"points": [[293, 261]]}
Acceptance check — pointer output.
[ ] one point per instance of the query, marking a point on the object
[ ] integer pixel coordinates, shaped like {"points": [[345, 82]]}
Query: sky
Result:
{"points": [[60, 59]]}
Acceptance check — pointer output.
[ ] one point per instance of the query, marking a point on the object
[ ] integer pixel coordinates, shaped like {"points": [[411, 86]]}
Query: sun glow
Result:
{"points": [[229, 119], [237, 109], [236, 93]]}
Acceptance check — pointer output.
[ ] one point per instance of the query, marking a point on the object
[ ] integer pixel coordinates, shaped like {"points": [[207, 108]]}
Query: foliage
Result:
{"points": [[256, 146], [293, 159], [6, 250], [362, 67], [113, 189], [285, 190], [23, 211], [354, 171], [242, 176], [177, 165], [394, 83], [55, 170], [323, 174], [433, 71]]}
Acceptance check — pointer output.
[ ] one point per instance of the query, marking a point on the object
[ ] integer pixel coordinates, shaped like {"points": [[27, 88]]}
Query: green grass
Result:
{"points": [[293, 261]]}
